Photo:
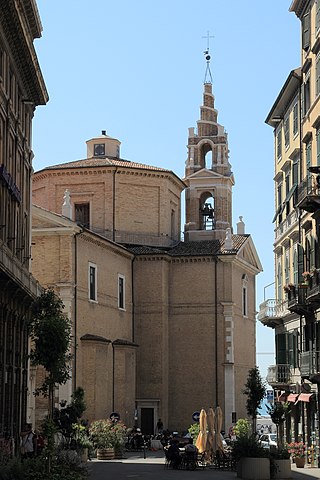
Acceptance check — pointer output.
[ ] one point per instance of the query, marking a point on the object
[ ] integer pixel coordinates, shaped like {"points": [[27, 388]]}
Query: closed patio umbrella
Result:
{"points": [[202, 437], [210, 435], [218, 422]]}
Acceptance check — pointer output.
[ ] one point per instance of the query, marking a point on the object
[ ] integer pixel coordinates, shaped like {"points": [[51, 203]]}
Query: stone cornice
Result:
{"points": [[19, 35], [80, 171]]}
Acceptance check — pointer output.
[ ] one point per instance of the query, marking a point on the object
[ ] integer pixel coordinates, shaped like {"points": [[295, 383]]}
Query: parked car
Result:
{"points": [[268, 440]]}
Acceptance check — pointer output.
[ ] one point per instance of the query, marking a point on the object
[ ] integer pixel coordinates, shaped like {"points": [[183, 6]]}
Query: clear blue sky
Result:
{"points": [[136, 69]]}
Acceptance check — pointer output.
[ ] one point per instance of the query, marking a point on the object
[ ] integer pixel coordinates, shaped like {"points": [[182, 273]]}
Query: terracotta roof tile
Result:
{"points": [[103, 162], [203, 247]]}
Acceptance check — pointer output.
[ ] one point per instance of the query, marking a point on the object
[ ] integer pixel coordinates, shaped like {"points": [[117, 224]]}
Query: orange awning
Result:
{"points": [[292, 397], [305, 397]]}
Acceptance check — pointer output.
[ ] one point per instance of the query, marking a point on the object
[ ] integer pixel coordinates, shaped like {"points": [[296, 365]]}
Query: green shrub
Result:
{"points": [[194, 430], [36, 469]]}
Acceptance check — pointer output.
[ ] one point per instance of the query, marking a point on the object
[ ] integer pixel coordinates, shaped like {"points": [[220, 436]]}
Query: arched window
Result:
{"points": [[206, 212], [245, 295]]}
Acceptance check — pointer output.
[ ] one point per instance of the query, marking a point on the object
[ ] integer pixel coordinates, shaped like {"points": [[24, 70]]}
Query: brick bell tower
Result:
{"points": [[208, 173]]}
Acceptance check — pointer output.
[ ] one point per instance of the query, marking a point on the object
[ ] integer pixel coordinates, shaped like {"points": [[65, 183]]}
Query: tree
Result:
{"points": [[255, 390], [278, 413], [50, 331]]}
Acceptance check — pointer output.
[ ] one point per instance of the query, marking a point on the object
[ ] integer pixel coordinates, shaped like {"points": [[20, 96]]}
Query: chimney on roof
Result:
{"points": [[66, 206], [241, 226], [103, 132]]}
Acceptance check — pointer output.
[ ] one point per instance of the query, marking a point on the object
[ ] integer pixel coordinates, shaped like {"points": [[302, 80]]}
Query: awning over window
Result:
{"points": [[292, 397], [305, 397]]}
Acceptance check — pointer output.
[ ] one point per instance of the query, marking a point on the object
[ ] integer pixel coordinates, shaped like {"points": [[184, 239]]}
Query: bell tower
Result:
{"points": [[208, 173]]}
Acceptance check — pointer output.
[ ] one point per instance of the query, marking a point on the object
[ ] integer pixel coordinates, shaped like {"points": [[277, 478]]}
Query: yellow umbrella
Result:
{"points": [[211, 434], [218, 425], [202, 437]]}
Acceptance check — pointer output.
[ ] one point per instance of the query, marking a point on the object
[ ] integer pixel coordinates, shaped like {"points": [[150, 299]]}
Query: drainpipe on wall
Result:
{"points": [[132, 300], [216, 325], [114, 204], [113, 379]]}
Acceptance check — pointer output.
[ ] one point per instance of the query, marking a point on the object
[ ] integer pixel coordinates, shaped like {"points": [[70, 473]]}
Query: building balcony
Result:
{"points": [[297, 300], [271, 312], [310, 365], [308, 195], [313, 290], [279, 376], [286, 225]]}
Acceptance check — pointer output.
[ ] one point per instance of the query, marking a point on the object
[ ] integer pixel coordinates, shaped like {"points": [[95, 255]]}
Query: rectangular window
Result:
{"points": [[121, 292], [287, 186], [244, 302], [287, 132], [308, 162], [92, 280], [279, 144], [279, 195], [306, 95], [82, 214], [295, 119]]}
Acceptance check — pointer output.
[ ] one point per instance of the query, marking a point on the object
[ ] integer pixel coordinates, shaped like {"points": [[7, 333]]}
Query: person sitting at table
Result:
{"points": [[173, 454], [190, 447]]}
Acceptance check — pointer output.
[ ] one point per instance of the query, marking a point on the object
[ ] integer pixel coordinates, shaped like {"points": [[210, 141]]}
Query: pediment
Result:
{"points": [[205, 173], [249, 254]]}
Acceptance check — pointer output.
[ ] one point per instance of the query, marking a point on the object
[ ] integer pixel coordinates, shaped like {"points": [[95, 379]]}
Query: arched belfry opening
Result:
{"points": [[206, 210], [206, 156]]}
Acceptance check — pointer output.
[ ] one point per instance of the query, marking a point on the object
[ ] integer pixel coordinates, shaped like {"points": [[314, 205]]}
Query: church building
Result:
{"points": [[162, 327]]}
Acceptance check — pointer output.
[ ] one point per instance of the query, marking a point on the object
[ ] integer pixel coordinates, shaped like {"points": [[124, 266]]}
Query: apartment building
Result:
{"points": [[21, 89], [294, 313]]}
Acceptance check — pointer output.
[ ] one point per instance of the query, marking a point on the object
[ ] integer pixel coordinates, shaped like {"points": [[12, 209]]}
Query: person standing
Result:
{"points": [[159, 426], [27, 443]]}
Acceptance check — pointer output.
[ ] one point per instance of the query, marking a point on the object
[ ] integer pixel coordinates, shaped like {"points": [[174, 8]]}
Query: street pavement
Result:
{"points": [[135, 467]]}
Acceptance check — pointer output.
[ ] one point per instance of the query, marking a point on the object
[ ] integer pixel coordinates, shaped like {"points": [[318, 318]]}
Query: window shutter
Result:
{"points": [[306, 30]]}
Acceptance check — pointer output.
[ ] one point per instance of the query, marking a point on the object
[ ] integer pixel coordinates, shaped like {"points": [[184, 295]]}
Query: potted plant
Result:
{"points": [[103, 438], [280, 466], [81, 441], [252, 460], [297, 451], [120, 433]]}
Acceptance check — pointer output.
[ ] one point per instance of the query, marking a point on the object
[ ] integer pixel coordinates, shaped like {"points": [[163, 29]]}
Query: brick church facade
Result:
{"points": [[161, 327]]}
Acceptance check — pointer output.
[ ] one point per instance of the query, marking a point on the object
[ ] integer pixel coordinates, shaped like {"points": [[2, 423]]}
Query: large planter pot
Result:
{"points": [[105, 453], [300, 462], [283, 469], [255, 468]]}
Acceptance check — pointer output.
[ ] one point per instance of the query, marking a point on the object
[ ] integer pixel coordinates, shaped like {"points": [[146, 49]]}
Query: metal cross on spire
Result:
{"points": [[207, 75]]}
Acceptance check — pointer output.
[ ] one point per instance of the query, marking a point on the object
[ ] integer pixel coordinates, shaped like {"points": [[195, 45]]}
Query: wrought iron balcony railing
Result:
{"points": [[308, 194], [310, 364]]}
